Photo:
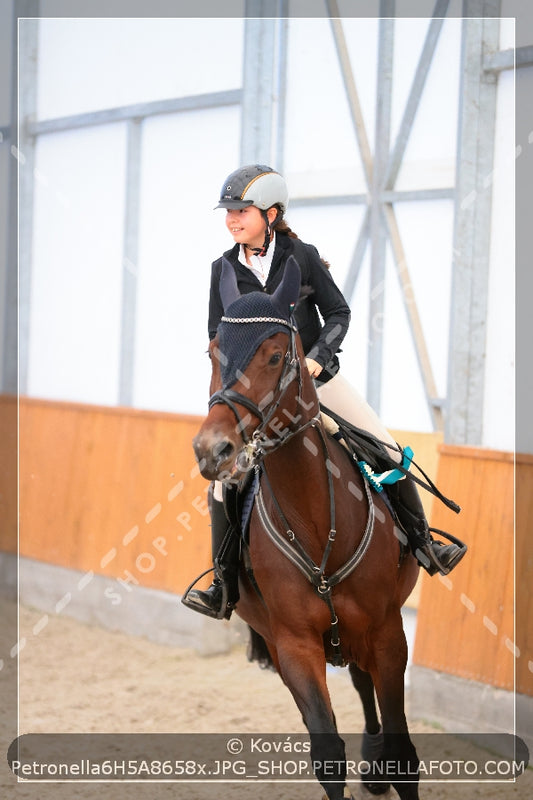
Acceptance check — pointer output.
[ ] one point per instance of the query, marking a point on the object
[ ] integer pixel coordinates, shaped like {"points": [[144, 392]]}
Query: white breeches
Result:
{"points": [[341, 397]]}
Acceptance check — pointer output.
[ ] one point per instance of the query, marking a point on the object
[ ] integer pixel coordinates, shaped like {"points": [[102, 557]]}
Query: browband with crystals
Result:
{"points": [[259, 319]]}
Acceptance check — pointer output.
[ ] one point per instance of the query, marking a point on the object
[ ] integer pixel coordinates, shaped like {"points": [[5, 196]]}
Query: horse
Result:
{"points": [[327, 572]]}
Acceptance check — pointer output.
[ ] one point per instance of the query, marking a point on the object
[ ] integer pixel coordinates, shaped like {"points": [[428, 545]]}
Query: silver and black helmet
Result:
{"points": [[254, 185]]}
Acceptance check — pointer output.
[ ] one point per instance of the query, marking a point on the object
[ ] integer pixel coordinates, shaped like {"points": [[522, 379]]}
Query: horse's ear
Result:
{"points": [[286, 295], [229, 291]]}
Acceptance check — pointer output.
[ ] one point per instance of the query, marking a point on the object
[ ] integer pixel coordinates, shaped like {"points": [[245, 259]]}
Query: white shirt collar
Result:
{"points": [[260, 265]]}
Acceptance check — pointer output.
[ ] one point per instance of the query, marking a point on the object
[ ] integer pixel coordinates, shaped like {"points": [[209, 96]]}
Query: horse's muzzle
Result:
{"points": [[215, 456]]}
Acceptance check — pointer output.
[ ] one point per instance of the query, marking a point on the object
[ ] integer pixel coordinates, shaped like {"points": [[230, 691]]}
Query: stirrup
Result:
{"points": [[224, 612], [430, 561]]}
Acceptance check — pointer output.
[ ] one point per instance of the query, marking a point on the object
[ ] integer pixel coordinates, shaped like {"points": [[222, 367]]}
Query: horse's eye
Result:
{"points": [[275, 359]]}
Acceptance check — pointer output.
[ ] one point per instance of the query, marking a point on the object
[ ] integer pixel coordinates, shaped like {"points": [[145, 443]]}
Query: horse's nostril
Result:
{"points": [[223, 450]]}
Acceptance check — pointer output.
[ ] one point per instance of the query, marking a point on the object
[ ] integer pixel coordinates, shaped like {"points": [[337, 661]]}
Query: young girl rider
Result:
{"points": [[255, 198]]}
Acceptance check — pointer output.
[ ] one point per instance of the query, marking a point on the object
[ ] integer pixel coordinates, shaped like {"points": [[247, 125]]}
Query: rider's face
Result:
{"points": [[247, 225]]}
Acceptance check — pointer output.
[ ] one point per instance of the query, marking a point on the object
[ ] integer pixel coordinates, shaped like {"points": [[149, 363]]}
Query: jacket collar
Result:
{"points": [[281, 252]]}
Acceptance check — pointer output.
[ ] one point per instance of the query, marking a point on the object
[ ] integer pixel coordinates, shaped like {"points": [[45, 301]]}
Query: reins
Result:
{"points": [[379, 448]]}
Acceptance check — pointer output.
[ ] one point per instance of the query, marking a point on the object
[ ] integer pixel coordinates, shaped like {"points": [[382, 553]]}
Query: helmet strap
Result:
{"points": [[262, 251]]}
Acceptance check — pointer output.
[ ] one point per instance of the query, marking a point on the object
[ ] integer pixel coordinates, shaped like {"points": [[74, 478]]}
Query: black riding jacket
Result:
{"points": [[319, 293]]}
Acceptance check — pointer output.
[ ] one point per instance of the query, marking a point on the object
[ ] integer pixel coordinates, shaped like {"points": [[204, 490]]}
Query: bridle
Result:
{"points": [[260, 443]]}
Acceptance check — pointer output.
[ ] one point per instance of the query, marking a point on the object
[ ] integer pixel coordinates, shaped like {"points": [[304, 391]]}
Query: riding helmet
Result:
{"points": [[254, 185]]}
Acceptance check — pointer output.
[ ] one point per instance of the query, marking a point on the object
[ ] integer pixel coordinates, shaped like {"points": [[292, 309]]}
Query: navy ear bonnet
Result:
{"points": [[251, 318]]}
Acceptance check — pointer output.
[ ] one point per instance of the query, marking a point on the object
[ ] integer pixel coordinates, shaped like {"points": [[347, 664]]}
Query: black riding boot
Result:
{"points": [[432, 555], [219, 600]]}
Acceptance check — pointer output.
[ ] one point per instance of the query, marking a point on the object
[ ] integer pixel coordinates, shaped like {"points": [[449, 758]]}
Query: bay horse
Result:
{"points": [[330, 574]]}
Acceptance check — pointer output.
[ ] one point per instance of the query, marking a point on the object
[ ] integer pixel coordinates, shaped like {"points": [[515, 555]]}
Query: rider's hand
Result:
{"points": [[314, 367]]}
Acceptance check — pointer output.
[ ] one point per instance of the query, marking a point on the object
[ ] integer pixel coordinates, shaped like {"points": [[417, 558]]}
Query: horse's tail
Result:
{"points": [[258, 650]]}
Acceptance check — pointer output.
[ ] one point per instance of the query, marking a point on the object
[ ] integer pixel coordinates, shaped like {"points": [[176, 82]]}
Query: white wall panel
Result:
{"points": [[77, 265], [4, 233], [429, 159], [403, 403], [333, 230], [321, 154], [89, 64], [426, 229], [186, 158], [499, 403]]}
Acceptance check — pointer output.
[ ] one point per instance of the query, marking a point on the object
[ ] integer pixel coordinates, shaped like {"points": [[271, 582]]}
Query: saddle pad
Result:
{"points": [[248, 501], [239, 502]]}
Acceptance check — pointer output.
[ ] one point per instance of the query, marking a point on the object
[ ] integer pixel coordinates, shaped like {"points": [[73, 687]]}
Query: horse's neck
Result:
{"points": [[297, 478], [294, 416], [297, 457]]}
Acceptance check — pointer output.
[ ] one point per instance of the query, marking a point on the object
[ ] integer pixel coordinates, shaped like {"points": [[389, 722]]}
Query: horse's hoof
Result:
{"points": [[377, 788]]}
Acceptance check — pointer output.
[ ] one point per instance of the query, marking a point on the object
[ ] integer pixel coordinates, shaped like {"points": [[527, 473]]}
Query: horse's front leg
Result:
{"points": [[388, 672], [302, 666]]}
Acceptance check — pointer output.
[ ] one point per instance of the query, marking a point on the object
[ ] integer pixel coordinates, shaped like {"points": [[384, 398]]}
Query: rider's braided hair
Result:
{"points": [[281, 226]]}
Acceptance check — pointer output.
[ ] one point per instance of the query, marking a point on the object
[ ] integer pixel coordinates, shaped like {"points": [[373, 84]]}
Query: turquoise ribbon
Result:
{"points": [[388, 477]]}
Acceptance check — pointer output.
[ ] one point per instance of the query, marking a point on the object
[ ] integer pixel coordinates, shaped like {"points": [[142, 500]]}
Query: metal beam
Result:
{"points": [[351, 89], [357, 259], [281, 84], [135, 111], [415, 94], [469, 300], [328, 200], [416, 195], [509, 59], [25, 158], [8, 256], [397, 196], [379, 222], [378, 234], [259, 76], [129, 263]]}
